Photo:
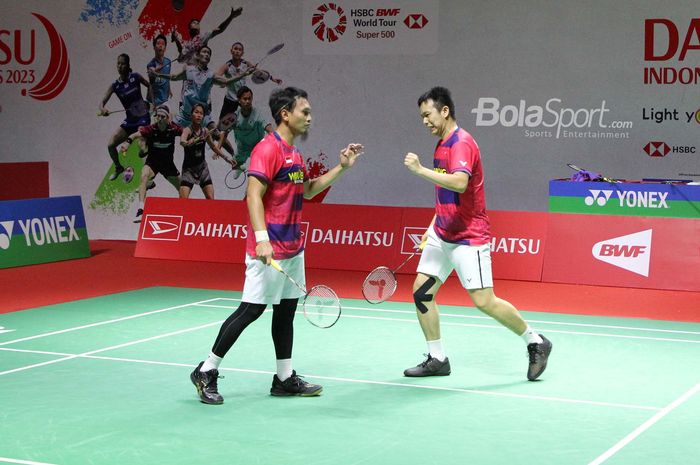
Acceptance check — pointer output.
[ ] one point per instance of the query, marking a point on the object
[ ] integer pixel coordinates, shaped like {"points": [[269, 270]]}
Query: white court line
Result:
{"points": [[105, 322], [499, 327], [24, 462], [482, 317], [118, 346], [645, 426], [353, 380]]}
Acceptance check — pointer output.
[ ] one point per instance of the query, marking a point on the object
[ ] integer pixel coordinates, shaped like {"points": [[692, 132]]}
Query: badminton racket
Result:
{"points": [[272, 51], [380, 284], [321, 304], [138, 109], [260, 76], [576, 168]]}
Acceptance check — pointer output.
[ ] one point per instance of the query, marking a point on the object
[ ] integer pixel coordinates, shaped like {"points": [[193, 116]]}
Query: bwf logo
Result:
{"points": [[162, 228], [412, 237], [598, 196], [329, 22], [631, 252]]}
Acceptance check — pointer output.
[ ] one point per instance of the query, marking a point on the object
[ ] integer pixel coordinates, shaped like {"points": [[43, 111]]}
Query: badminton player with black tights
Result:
{"points": [[458, 238], [277, 184]]}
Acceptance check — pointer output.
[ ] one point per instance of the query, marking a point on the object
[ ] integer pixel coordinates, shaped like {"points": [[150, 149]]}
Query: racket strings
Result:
{"points": [[380, 284], [322, 306]]}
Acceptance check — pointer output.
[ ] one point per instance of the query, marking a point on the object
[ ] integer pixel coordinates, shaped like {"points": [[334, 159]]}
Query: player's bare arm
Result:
{"points": [[348, 156], [254, 195], [456, 182]]}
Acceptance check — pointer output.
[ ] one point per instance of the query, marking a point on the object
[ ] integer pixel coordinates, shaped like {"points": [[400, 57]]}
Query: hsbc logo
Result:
{"points": [[162, 228], [415, 21], [657, 149], [598, 196], [631, 252], [412, 236]]}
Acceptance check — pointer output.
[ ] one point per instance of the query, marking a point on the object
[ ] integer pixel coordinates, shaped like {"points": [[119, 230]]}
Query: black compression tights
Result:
{"points": [[282, 327]]}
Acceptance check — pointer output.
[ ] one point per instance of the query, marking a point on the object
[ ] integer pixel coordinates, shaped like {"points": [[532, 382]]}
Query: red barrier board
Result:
{"points": [[345, 237], [644, 252]]}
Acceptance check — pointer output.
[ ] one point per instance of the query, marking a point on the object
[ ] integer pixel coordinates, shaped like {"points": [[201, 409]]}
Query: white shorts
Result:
{"points": [[265, 285], [471, 262]]}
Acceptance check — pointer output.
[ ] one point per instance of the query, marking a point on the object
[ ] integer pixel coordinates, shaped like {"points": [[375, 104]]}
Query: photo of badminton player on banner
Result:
{"points": [[278, 184]]}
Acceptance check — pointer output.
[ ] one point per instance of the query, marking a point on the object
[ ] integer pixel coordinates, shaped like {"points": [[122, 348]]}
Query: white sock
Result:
{"points": [[211, 363], [530, 336], [435, 350], [284, 369]]}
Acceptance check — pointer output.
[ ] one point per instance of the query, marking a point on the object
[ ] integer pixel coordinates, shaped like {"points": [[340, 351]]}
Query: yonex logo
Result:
{"points": [[631, 252], [598, 196], [462, 162], [657, 149], [329, 22], [412, 237], [162, 227], [415, 21], [6, 234]]}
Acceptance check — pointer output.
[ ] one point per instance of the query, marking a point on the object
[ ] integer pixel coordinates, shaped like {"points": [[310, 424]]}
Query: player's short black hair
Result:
{"points": [[238, 43], [284, 99], [126, 58], [160, 36], [441, 97], [201, 105], [203, 47], [189, 25], [243, 90]]}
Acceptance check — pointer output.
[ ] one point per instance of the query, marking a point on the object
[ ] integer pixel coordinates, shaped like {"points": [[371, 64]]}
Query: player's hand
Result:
{"points": [[412, 162], [236, 12], [276, 81], [264, 252], [103, 112], [350, 153], [123, 147]]}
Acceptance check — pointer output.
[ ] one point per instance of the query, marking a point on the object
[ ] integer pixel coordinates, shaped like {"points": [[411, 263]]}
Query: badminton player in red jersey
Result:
{"points": [[277, 184], [458, 238]]}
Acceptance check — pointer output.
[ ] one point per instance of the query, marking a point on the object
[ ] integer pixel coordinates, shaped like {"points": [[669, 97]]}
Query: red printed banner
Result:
{"points": [[343, 237], [629, 251]]}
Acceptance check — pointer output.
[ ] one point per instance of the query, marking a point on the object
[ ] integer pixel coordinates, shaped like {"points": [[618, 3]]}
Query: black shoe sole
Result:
{"points": [[426, 375], [295, 394]]}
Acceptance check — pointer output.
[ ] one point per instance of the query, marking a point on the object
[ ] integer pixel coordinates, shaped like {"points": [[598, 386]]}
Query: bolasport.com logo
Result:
{"points": [[553, 120], [631, 252], [18, 57]]}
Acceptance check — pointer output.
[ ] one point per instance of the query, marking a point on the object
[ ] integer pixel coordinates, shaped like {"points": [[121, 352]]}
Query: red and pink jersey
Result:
{"points": [[281, 167], [461, 218]]}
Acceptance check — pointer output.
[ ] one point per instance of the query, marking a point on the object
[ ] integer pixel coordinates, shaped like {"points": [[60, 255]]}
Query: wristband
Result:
{"points": [[129, 140], [261, 236]]}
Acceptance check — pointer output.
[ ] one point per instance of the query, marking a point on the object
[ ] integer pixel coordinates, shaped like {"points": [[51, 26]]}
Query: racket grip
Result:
{"points": [[275, 265]]}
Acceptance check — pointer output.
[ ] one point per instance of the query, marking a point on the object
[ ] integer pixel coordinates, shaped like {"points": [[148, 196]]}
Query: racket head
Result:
{"points": [[322, 306], [275, 49], [234, 182], [379, 285], [260, 76]]}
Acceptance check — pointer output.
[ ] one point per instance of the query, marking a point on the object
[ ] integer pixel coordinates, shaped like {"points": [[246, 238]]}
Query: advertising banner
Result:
{"points": [[42, 230], [340, 237], [630, 199], [644, 252]]}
